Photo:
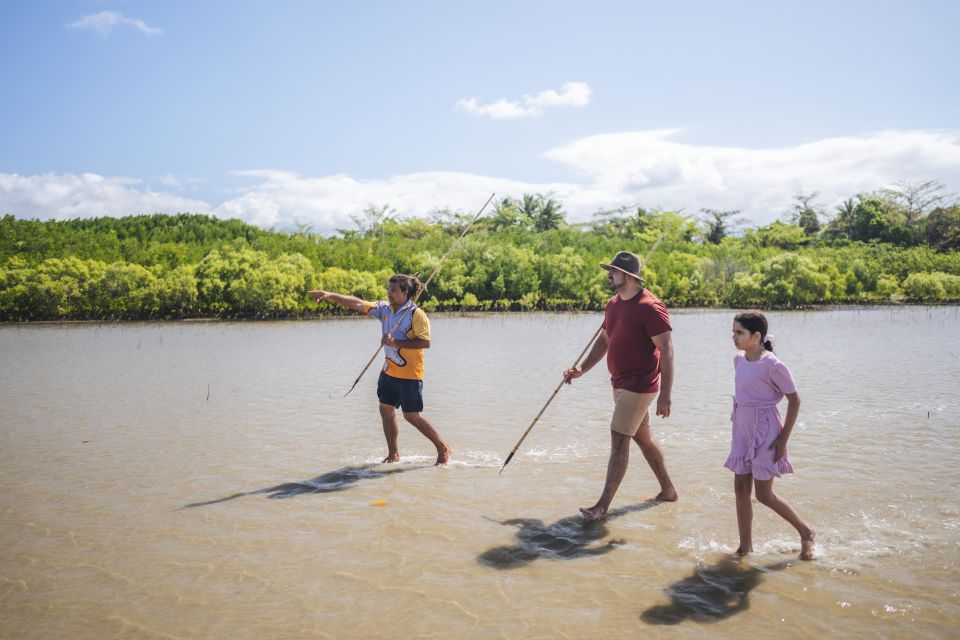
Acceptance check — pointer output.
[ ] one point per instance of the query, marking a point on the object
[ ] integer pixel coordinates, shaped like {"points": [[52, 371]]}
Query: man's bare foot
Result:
{"points": [[593, 513], [806, 545], [443, 455], [667, 495], [393, 457]]}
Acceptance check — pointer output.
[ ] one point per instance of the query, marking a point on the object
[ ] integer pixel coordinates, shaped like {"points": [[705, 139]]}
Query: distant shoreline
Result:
{"points": [[352, 317]]}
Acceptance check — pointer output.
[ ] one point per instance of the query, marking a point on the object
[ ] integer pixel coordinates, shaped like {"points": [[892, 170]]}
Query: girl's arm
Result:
{"points": [[793, 409]]}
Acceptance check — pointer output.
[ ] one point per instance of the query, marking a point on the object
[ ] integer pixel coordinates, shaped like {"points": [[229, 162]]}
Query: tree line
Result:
{"points": [[900, 244]]}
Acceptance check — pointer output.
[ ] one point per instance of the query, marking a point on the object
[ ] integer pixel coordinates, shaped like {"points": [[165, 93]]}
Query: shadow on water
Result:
{"points": [[327, 483], [712, 593], [566, 539]]}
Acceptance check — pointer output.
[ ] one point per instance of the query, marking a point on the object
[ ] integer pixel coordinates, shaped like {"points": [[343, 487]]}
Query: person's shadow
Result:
{"points": [[566, 539], [327, 483], [711, 593]]}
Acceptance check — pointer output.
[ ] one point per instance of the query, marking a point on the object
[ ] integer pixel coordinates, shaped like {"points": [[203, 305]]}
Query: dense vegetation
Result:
{"points": [[895, 245]]}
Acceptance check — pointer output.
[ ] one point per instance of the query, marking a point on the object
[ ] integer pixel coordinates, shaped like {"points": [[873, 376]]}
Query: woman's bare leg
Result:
{"points": [[390, 431]]}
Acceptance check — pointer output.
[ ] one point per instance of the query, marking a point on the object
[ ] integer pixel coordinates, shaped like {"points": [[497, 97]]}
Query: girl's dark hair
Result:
{"points": [[754, 321], [410, 285]]}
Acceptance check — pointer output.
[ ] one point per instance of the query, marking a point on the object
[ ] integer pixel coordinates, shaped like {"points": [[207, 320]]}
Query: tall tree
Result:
{"points": [[549, 214], [718, 224], [806, 212], [372, 220], [943, 228], [506, 215], [917, 198]]}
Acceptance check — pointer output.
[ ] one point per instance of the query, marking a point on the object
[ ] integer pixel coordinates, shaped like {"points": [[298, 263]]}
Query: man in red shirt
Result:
{"points": [[636, 340]]}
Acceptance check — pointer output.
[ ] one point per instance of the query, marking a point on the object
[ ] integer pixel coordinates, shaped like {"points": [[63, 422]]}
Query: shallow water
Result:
{"points": [[207, 480]]}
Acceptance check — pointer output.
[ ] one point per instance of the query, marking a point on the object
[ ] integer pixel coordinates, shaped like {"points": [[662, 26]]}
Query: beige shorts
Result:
{"points": [[630, 411]]}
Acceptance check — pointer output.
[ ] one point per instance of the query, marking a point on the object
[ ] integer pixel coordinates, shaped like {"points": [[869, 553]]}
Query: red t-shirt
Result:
{"points": [[632, 358]]}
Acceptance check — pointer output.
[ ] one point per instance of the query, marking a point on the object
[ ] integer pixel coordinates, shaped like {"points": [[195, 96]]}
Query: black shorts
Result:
{"points": [[399, 392]]}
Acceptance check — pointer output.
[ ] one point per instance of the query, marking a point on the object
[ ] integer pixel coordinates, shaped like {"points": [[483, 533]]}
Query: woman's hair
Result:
{"points": [[754, 321], [410, 285]]}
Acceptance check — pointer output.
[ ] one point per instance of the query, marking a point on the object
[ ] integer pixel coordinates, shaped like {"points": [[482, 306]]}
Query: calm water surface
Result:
{"points": [[208, 480]]}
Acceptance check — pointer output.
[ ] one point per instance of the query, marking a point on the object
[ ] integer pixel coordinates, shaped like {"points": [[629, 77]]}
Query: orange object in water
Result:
{"points": [[378, 503]]}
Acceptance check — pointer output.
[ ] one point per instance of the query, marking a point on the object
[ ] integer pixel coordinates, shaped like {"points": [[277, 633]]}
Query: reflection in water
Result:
{"points": [[712, 593], [565, 539], [333, 481]]}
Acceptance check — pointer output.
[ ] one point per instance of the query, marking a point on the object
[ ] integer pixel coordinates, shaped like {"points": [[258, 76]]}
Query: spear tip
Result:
{"points": [[506, 462]]}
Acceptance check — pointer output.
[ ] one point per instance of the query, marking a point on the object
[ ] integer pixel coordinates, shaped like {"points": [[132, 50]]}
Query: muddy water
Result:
{"points": [[207, 480]]}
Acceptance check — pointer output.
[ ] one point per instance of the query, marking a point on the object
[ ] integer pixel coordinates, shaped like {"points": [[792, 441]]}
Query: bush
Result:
{"points": [[932, 287], [888, 287]]}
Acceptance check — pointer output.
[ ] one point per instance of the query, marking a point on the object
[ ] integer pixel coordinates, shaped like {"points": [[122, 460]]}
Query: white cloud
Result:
{"points": [[105, 22], [648, 167], [645, 167], [572, 94], [64, 196], [284, 198]]}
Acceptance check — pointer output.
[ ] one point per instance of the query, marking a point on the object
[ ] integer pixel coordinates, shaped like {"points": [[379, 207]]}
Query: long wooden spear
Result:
{"points": [[575, 363], [416, 296]]}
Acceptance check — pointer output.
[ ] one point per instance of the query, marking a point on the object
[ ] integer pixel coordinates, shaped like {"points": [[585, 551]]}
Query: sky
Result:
{"points": [[292, 113]]}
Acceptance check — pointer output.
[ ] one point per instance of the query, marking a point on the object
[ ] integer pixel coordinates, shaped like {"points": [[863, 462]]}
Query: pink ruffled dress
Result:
{"points": [[760, 385]]}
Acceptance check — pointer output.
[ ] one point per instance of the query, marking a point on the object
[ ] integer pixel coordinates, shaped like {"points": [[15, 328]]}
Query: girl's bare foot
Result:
{"points": [[593, 513], [742, 551], [806, 544], [393, 457]]}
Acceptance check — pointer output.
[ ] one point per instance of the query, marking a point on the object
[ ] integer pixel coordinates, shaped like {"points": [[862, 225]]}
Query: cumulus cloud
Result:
{"points": [[646, 167], [650, 167], [571, 94], [282, 199], [105, 22], [63, 196]]}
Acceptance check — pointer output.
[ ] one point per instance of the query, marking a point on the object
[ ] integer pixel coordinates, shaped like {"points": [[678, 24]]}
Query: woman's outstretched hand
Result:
{"points": [[317, 295]]}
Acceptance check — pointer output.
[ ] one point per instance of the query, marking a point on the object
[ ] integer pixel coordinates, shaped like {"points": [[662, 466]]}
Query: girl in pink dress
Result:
{"points": [[758, 449]]}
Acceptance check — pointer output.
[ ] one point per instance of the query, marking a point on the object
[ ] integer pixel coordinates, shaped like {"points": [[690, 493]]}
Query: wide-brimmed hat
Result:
{"points": [[627, 262]]}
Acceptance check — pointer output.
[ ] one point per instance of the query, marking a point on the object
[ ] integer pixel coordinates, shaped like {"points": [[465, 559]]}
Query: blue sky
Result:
{"points": [[287, 112]]}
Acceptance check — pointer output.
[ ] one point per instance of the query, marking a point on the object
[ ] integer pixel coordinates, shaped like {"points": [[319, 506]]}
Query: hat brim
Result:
{"points": [[632, 275]]}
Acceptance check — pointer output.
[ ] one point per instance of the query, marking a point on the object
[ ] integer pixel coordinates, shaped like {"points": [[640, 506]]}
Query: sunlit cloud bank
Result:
{"points": [[643, 167], [64, 196], [571, 94], [284, 199], [650, 168]]}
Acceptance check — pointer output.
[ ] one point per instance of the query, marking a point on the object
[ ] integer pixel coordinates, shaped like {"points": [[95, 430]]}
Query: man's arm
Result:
{"points": [[413, 343], [664, 342], [347, 302], [596, 355]]}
